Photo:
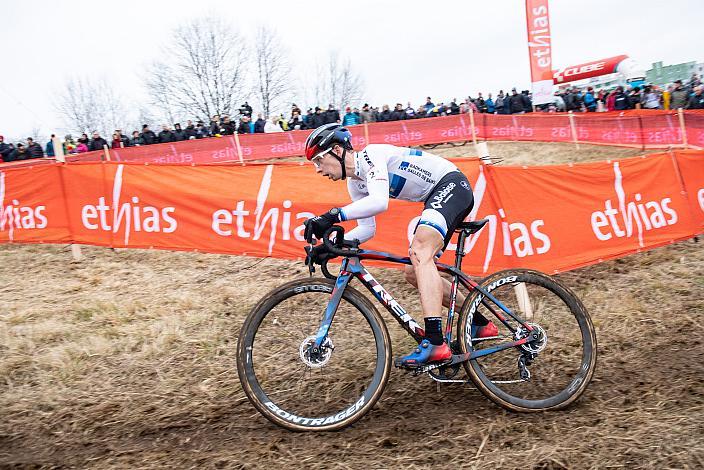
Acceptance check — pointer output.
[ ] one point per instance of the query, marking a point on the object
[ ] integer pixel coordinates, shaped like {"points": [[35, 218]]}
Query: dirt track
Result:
{"points": [[126, 360]]}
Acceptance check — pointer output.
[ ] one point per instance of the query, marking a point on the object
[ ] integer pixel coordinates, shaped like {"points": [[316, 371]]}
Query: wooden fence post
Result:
{"points": [[60, 157], [680, 114], [58, 149], [570, 115], [239, 147], [471, 123]]}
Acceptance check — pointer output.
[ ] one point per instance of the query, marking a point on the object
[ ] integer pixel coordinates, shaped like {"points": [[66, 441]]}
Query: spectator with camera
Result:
{"points": [[246, 110], [296, 122]]}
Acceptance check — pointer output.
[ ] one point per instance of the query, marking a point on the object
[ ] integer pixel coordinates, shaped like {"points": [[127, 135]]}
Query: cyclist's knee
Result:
{"points": [[422, 252], [425, 245]]}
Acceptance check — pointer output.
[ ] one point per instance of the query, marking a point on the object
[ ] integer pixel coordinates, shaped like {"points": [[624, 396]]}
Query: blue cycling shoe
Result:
{"points": [[425, 353]]}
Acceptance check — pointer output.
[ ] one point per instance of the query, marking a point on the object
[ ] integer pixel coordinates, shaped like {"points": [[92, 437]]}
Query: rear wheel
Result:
{"points": [[548, 374], [302, 391]]}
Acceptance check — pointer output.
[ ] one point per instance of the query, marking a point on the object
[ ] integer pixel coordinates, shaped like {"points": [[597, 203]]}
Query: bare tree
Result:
{"points": [[89, 104], [205, 71], [349, 85], [162, 91], [338, 83], [273, 70]]}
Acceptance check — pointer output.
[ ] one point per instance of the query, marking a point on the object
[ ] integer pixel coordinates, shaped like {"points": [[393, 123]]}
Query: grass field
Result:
{"points": [[127, 360]]}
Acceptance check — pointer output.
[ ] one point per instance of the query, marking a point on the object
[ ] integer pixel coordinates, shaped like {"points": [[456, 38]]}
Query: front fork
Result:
{"points": [[340, 284]]}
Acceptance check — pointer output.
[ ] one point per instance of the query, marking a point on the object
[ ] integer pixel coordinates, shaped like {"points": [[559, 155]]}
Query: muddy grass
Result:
{"points": [[127, 360], [523, 153]]}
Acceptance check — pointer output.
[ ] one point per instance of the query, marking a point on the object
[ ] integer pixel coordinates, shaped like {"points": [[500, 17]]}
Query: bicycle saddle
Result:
{"points": [[471, 227]]}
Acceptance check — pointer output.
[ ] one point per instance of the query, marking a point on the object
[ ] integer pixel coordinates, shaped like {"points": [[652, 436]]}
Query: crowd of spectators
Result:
{"points": [[675, 96]]}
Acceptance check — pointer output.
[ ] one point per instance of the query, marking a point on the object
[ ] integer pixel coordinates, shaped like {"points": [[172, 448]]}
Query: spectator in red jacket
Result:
{"points": [[610, 101], [116, 141]]}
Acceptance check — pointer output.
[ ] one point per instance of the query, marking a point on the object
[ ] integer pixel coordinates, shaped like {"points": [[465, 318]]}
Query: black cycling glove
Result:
{"points": [[318, 225]]}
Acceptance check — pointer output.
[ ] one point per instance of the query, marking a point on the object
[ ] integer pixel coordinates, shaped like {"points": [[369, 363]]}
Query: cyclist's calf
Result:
{"points": [[410, 275]]}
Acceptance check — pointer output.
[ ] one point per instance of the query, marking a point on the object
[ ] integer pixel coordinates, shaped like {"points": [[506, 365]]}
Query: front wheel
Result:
{"points": [[546, 374], [302, 391]]}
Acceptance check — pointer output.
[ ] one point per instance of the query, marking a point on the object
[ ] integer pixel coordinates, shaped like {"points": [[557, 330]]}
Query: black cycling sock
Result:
{"points": [[433, 330], [479, 320]]}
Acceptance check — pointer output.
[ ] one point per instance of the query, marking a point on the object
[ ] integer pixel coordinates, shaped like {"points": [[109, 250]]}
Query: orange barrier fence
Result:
{"points": [[552, 218], [640, 129]]}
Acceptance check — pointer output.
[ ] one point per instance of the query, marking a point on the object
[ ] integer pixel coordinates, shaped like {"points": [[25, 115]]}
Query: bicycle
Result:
{"points": [[305, 373]]}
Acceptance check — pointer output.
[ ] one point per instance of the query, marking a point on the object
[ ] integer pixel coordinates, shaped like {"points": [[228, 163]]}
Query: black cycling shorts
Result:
{"points": [[448, 204]]}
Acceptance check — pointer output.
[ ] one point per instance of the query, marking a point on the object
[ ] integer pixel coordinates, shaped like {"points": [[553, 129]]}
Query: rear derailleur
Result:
{"points": [[524, 361]]}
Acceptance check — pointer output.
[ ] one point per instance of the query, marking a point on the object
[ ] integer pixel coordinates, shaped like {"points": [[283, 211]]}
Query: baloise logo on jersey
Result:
{"points": [[443, 196]]}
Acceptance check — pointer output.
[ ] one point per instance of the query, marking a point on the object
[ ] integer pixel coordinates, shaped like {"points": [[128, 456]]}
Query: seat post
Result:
{"points": [[459, 251]]}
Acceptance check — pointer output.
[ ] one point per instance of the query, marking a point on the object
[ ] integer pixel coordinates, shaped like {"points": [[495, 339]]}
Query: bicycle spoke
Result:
{"points": [[292, 377], [541, 372]]}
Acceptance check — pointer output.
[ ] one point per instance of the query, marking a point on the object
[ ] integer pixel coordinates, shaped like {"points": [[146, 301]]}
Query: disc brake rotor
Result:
{"points": [[539, 344], [319, 359]]}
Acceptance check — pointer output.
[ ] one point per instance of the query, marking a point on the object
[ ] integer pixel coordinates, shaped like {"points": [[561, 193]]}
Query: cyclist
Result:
{"points": [[380, 172]]}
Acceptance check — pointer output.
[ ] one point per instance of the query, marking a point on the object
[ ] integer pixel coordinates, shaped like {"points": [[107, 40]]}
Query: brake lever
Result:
{"points": [[309, 260]]}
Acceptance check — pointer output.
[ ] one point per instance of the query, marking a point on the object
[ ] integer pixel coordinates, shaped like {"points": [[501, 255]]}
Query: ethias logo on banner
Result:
{"points": [[15, 215], [131, 215], [621, 220]]}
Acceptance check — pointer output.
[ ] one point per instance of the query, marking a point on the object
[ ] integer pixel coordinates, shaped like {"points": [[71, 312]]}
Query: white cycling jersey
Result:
{"points": [[384, 171]]}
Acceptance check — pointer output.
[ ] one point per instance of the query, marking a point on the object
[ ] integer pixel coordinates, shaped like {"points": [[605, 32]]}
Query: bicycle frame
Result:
{"points": [[352, 268]]}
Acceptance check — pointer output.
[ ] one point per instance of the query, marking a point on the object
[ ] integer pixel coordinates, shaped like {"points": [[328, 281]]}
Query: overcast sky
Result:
{"points": [[404, 50]]}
